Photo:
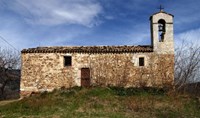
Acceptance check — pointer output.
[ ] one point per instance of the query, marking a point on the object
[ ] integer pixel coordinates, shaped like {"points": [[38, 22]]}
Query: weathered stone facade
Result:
{"points": [[43, 68]]}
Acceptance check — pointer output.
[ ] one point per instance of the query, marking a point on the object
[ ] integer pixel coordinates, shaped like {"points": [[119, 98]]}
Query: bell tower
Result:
{"points": [[162, 38]]}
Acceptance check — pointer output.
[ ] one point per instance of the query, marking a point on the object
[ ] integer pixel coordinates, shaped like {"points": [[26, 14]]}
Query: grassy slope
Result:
{"points": [[103, 102]]}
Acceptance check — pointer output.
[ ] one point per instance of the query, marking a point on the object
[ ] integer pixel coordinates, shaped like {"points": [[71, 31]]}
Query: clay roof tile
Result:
{"points": [[89, 49]]}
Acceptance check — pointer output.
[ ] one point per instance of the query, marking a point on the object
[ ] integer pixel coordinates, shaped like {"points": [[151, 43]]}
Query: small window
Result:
{"points": [[67, 60], [141, 61]]}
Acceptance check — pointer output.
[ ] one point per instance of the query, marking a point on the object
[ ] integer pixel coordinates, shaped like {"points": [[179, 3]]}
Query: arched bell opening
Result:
{"points": [[161, 30]]}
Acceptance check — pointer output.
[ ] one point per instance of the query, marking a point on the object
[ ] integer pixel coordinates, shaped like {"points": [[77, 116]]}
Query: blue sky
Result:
{"points": [[33, 23]]}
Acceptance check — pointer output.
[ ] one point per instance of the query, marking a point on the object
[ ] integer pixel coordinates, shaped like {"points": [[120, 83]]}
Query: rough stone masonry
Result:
{"points": [[49, 68]]}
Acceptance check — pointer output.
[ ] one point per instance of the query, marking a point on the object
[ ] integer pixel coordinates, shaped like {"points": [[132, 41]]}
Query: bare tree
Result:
{"points": [[187, 64], [9, 61]]}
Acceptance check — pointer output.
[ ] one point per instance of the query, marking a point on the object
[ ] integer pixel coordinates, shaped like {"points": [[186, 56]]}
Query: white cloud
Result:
{"points": [[48, 13], [34, 39], [55, 12], [190, 37], [139, 35], [11, 41]]}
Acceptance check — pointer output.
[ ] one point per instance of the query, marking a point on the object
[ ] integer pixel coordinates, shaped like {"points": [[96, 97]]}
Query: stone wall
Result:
{"points": [[46, 71]]}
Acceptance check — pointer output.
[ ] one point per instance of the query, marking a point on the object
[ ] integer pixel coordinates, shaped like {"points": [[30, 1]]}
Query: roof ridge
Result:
{"points": [[89, 49]]}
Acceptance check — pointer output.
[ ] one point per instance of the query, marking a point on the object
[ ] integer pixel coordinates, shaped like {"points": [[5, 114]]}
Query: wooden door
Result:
{"points": [[85, 77]]}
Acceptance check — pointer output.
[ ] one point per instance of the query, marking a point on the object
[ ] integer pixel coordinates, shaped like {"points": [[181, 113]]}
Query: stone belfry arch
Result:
{"points": [[162, 36]]}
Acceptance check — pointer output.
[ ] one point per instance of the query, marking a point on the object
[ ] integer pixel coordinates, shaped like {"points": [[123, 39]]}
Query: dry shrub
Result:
{"points": [[139, 104]]}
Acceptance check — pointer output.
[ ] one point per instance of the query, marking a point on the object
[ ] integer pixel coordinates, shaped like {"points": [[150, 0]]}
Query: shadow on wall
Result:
{"points": [[12, 86]]}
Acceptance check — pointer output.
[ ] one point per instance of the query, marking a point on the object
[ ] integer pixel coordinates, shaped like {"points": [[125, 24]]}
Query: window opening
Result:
{"points": [[67, 60], [141, 61]]}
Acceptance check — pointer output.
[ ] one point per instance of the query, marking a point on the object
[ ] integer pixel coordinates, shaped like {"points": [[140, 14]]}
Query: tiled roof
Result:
{"points": [[89, 49]]}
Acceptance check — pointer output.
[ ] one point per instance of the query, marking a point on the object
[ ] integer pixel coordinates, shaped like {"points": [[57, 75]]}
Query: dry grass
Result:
{"points": [[103, 102]]}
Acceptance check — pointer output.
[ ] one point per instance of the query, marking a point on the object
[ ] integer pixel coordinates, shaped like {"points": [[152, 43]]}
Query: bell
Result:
{"points": [[160, 28]]}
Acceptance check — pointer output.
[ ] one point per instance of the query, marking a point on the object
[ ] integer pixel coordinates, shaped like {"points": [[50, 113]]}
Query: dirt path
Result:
{"points": [[7, 102]]}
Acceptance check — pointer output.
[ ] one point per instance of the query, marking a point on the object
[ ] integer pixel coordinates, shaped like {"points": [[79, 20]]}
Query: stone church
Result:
{"points": [[48, 68]]}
